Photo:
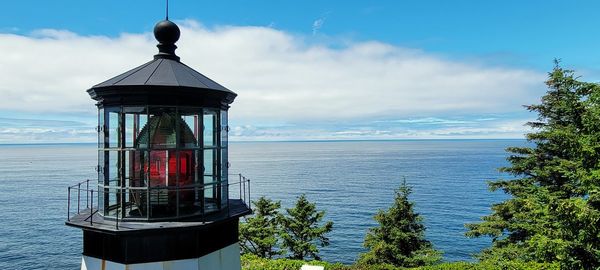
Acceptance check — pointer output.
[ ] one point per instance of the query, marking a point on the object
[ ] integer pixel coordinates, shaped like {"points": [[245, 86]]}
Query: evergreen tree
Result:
{"points": [[399, 239], [259, 234], [553, 214], [302, 232]]}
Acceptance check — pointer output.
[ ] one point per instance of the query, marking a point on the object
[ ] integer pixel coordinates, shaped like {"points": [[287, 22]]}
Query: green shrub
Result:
{"points": [[516, 265], [252, 262]]}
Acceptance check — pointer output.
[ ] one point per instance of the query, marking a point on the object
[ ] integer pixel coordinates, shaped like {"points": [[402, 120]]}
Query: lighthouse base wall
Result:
{"points": [[164, 242], [227, 258]]}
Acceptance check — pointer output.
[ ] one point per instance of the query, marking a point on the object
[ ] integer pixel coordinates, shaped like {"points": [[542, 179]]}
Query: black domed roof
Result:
{"points": [[163, 72], [166, 79]]}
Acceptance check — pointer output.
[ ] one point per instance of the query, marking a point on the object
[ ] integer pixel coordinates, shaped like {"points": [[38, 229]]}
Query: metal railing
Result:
{"points": [[89, 198], [82, 205]]}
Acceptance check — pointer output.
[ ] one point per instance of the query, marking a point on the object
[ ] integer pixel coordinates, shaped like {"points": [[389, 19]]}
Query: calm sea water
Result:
{"points": [[349, 180]]}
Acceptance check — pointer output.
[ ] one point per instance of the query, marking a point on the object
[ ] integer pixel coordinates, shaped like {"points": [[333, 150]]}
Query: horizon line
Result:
{"points": [[321, 140]]}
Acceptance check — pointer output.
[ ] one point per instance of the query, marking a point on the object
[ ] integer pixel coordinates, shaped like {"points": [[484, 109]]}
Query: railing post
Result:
{"points": [[244, 189], [87, 194], [78, 196], [240, 186], [92, 207], [69, 204], [249, 202]]}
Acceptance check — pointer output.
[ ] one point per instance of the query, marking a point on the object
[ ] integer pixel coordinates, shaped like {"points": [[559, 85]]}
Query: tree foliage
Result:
{"points": [[253, 262], [553, 214], [259, 234], [302, 232], [399, 239]]}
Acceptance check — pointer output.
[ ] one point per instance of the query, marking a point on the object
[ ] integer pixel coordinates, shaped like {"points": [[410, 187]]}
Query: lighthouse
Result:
{"points": [[164, 198]]}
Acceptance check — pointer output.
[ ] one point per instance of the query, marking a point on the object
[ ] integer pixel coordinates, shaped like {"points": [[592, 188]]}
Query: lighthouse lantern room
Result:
{"points": [[162, 197]]}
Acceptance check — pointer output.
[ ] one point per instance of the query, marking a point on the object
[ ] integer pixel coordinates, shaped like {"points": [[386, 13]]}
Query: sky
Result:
{"points": [[303, 70]]}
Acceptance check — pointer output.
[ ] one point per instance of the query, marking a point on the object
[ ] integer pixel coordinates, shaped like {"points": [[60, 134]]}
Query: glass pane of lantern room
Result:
{"points": [[190, 131], [102, 180], [209, 165], [113, 129], [100, 128], [224, 129], [113, 195], [135, 119], [138, 168], [130, 134], [198, 181], [158, 168], [224, 177], [162, 127], [113, 169], [209, 122], [186, 164], [125, 181], [210, 192], [185, 181], [114, 182], [99, 198], [142, 140], [136, 199], [162, 181], [189, 185], [102, 167]]}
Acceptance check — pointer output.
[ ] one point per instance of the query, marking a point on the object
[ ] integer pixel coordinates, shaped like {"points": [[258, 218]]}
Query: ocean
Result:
{"points": [[350, 180]]}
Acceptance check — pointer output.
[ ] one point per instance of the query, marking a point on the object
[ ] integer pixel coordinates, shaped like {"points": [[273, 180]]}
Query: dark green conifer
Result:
{"points": [[399, 239], [302, 231], [259, 233], [553, 214]]}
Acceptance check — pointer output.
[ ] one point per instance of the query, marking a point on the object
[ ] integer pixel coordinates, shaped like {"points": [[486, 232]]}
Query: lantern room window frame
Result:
{"points": [[118, 196]]}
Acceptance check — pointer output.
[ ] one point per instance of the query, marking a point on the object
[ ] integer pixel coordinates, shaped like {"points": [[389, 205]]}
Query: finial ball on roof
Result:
{"points": [[166, 32]]}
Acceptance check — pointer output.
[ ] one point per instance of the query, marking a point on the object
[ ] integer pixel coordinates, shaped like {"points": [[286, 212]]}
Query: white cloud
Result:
{"points": [[476, 129], [426, 121], [317, 24], [16, 130], [280, 77]]}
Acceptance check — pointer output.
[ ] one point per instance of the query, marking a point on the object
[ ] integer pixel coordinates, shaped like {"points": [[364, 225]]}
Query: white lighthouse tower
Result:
{"points": [[162, 199]]}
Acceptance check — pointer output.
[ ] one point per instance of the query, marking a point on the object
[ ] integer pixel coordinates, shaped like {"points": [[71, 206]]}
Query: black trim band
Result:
{"points": [[160, 245]]}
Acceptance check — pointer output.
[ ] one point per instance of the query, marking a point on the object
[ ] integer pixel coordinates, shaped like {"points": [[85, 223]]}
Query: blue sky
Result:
{"points": [[302, 69]]}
